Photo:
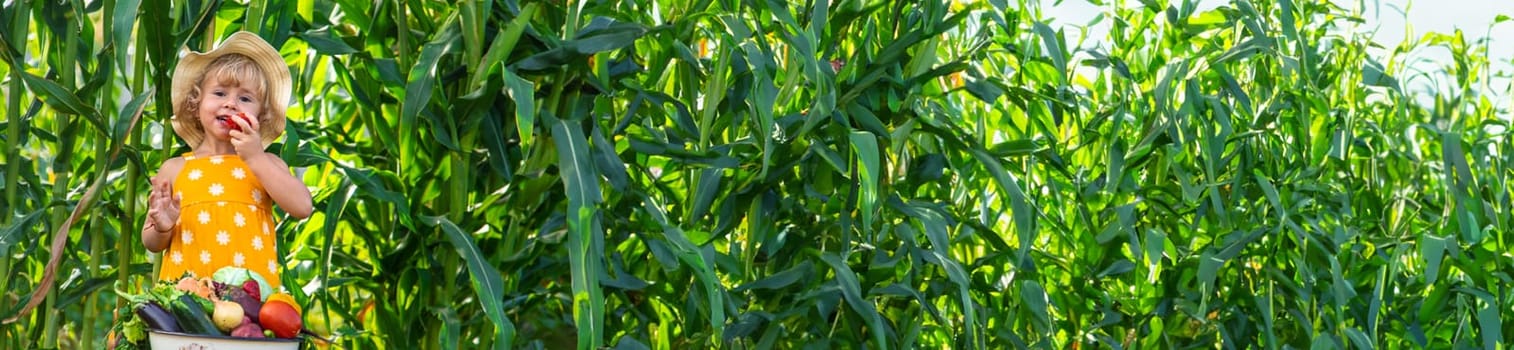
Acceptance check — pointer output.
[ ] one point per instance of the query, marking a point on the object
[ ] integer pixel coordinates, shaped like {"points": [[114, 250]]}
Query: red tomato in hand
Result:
{"points": [[231, 124]]}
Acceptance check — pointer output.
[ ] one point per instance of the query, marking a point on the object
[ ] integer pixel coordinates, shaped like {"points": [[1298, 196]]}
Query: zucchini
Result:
{"points": [[156, 317], [192, 317]]}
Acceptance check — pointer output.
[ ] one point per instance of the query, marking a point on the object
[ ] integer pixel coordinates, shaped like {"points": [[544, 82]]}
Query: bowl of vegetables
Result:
{"points": [[234, 309]]}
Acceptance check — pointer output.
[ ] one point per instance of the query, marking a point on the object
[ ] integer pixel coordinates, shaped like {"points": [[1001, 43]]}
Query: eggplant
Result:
{"points": [[156, 317]]}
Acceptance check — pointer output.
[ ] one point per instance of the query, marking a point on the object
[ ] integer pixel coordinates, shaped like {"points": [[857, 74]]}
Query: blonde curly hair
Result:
{"points": [[231, 70]]}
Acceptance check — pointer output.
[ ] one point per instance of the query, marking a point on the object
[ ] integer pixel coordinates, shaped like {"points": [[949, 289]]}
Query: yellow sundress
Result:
{"points": [[225, 219]]}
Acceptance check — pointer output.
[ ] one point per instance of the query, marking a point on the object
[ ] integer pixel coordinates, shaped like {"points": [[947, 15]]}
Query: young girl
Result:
{"points": [[212, 207]]}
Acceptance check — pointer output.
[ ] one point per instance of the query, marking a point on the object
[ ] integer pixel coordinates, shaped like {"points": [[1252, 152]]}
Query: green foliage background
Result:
{"points": [[674, 174]]}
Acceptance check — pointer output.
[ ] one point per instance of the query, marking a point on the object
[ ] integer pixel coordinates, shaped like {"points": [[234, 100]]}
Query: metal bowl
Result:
{"points": [[161, 340]]}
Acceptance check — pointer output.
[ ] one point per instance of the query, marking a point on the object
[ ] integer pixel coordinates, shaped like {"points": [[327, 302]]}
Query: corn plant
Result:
{"points": [[670, 174]]}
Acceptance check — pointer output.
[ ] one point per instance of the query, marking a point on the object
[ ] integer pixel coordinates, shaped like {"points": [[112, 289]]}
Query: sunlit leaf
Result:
{"points": [[1431, 249], [1035, 298], [1010, 186], [61, 99], [1374, 74], [485, 279], [323, 41], [851, 291], [1053, 45], [778, 280], [705, 192], [128, 115], [608, 162], [688, 253], [18, 229], [604, 34], [1117, 268], [869, 167], [499, 154], [522, 92], [1488, 321], [421, 79], [126, 17]]}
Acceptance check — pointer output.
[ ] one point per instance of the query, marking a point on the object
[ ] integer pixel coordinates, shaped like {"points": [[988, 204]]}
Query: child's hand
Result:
{"points": [[247, 140], [162, 207]]}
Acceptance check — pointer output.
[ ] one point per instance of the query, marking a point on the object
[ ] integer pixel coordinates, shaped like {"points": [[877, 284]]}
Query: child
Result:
{"points": [[212, 207]]}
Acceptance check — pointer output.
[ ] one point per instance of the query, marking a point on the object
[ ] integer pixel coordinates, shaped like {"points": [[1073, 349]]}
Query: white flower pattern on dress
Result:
{"points": [[224, 185]]}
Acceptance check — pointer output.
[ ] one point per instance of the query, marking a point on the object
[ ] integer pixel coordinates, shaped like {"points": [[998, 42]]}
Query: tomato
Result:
{"points": [[281, 318]]}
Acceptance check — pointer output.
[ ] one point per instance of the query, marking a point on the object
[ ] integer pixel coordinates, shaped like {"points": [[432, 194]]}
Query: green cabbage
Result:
{"points": [[235, 276]]}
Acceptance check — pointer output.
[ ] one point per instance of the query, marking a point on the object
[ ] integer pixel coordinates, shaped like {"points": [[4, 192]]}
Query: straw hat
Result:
{"points": [[275, 72]]}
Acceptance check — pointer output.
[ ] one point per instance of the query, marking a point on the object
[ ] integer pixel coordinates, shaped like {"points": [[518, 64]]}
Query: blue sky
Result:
{"points": [[1392, 20]]}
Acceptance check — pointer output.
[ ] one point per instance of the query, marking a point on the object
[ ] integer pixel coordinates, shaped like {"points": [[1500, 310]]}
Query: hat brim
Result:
{"points": [[192, 66]]}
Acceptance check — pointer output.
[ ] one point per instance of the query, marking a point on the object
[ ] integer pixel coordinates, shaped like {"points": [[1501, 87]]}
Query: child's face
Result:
{"points": [[220, 100]]}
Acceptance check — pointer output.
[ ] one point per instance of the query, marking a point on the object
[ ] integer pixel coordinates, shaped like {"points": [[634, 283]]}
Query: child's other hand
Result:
{"points": [[163, 207], [248, 141]]}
